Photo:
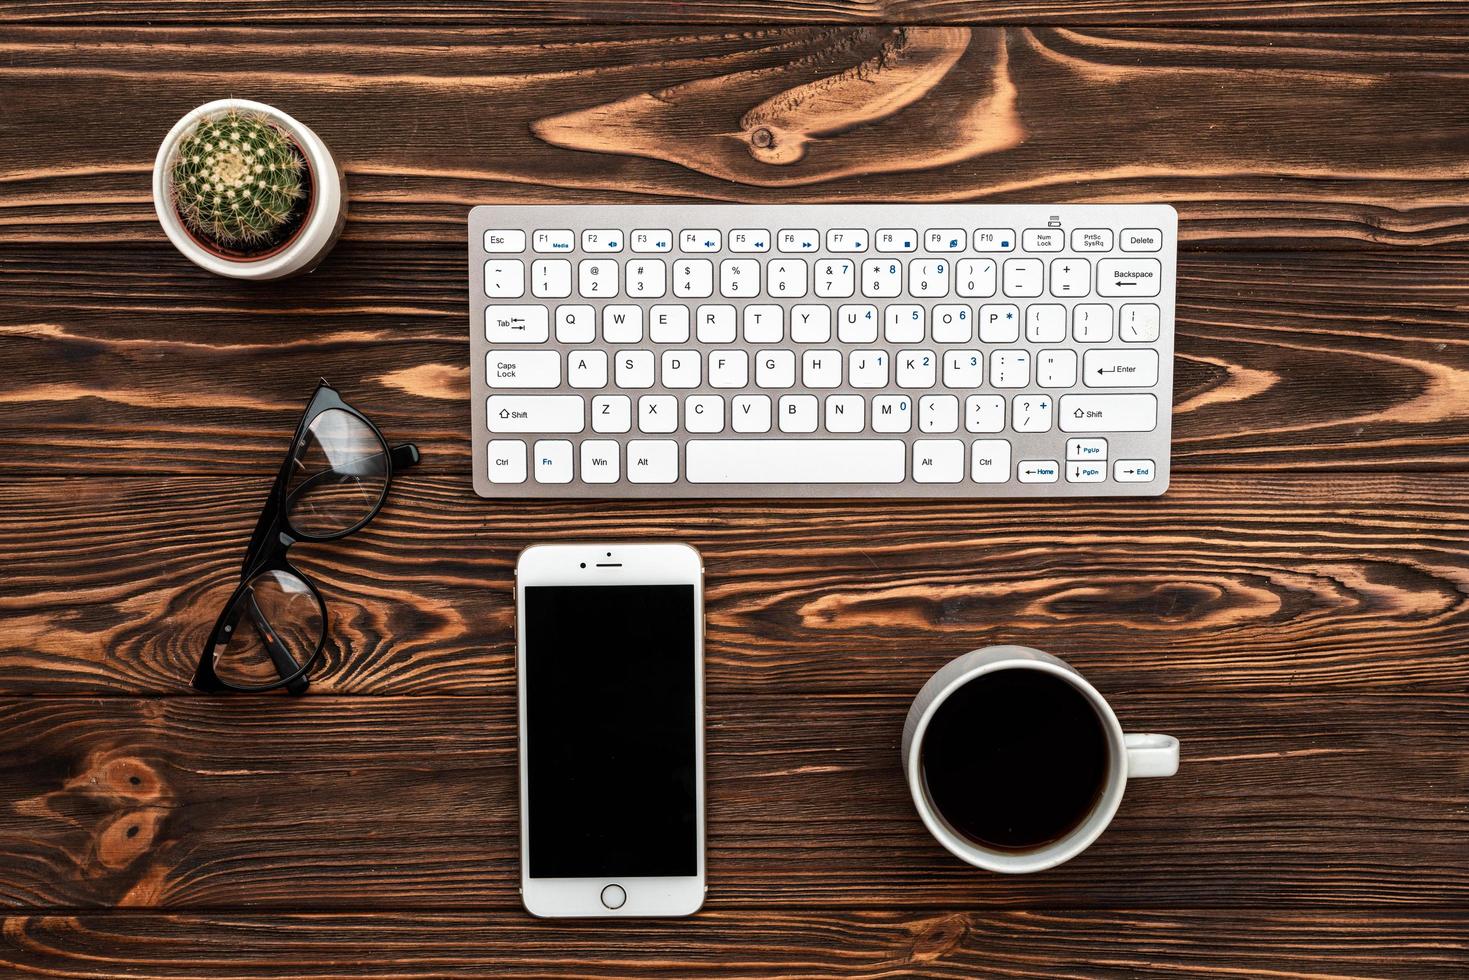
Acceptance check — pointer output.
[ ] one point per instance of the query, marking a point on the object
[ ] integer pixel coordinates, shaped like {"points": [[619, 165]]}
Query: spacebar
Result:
{"points": [[795, 460]]}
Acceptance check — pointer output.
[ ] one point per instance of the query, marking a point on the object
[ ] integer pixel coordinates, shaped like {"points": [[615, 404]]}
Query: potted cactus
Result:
{"points": [[246, 191]]}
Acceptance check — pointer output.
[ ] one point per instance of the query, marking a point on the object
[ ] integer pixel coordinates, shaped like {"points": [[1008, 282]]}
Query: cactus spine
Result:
{"points": [[237, 179]]}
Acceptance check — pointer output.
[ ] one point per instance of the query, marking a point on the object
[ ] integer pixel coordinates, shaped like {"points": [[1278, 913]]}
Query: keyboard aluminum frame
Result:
{"points": [[1154, 445]]}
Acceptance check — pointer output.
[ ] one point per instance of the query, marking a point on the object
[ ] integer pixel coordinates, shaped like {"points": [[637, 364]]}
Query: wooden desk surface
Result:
{"points": [[1296, 609]]}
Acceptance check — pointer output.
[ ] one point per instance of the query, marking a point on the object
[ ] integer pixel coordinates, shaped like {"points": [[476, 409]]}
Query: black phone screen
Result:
{"points": [[610, 715]]}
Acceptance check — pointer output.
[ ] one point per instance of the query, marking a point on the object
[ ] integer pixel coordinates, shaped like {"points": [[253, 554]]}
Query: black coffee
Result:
{"points": [[1015, 759]]}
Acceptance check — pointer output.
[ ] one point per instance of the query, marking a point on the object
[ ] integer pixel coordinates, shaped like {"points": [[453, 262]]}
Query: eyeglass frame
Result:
{"points": [[273, 537]]}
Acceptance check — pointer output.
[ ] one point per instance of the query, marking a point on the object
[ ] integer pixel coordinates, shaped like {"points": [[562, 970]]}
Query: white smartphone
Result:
{"points": [[610, 660]]}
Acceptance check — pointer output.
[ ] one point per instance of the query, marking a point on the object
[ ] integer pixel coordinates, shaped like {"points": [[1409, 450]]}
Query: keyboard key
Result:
{"points": [[810, 324], [635, 369], [1038, 471], [975, 277], [536, 413], [1091, 240], [647, 278], [576, 324], [797, 413], [798, 240], [764, 323], [750, 413], [586, 368], [938, 413], [786, 278], [999, 323], [1010, 368], [700, 240], [1131, 368], [882, 277], [553, 461], [657, 413], [984, 413], [668, 324], [506, 461], [821, 368], [1023, 277], [597, 278], [928, 277], [1083, 472], [1134, 471], [938, 461], [836, 278], [693, 278], [903, 324], [622, 323], [1091, 323], [896, 240], [504, 240], [716, 324], [963, 369], [611, 413], [845, 413], [551, 278], [945, 239], [729, 369], [892, 413], [800, 461], [857, 324], [953, 323], [651, 240], [989, 461], [703, 413], [601, 240], [916, 368], [868, 369], [775, 369], [1109, 413], [558, 240], [1043, 239], [681, 369], [516, 324], [1086, 448], [652, 461], [1129, 277], [1141, 240], [599, 458], [1139, 323], [739, 278], [1071, 277], [505, 278], [749, 240], [994, 240], [1030, 413], [1055, 368], [523, 369], [1045, 323], [846, 240]]}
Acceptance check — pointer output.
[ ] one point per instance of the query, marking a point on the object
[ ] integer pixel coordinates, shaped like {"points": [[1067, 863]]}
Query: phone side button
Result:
{"points": [[614, 897]]}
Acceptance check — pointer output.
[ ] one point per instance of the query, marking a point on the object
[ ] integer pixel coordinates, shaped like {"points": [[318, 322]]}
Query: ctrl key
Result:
{"points": [[507, 461], [1134, 471]]}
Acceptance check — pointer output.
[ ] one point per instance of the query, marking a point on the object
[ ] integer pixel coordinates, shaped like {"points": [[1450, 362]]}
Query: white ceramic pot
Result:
{"points": [[324, 220], [1129, 756]]}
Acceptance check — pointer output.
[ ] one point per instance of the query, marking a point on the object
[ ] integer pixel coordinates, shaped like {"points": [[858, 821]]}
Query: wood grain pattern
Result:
{"points": [[481, 13], [1059, 114], [396, 803], [954, 945], [1223, 585], [137, 363]]}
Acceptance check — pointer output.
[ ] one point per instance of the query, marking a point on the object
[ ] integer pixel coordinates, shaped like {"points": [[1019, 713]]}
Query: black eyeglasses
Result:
{"points": [[333, 481]]}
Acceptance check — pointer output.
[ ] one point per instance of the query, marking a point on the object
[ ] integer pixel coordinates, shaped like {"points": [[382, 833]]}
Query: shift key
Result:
{"points": [[1108, 413], [536, 413]]}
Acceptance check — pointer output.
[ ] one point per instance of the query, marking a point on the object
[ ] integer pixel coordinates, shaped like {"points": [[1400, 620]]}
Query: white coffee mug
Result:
{"points": [[1128, 755]]}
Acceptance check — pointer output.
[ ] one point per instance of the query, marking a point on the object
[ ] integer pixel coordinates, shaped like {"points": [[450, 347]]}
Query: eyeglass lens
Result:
{"points": [[338, 476], [272, 630]]}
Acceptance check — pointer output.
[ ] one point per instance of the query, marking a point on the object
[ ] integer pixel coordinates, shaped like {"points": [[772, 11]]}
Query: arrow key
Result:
{"points": [[1134, 471], [1038, 470]]}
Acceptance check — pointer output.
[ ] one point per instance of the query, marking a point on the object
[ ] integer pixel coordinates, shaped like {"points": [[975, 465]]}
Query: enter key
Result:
{"points": [[1136, 368]]}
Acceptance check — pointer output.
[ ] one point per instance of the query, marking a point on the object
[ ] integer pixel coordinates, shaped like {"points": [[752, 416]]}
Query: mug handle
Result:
{"points": [[1151, 755]]}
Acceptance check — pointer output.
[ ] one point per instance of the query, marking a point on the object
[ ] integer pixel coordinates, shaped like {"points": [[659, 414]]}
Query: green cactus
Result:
{"points": [[237, 178]]}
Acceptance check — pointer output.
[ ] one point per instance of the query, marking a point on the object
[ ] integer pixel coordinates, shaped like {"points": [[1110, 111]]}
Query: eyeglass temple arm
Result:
{"points": [[285, 664]]}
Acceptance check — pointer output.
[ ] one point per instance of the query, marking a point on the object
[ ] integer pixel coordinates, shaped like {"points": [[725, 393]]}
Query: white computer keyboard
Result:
{"points": [[856, 350]]}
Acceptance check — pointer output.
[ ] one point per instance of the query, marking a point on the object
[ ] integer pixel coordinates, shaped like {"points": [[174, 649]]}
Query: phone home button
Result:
{"points": [[614, 897]]}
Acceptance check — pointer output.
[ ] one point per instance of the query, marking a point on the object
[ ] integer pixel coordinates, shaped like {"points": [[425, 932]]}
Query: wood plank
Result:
{"points": [[464, 115], [1224, 585], [1283, 799], [136, 363], [825, 944], [1259, 13]]}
